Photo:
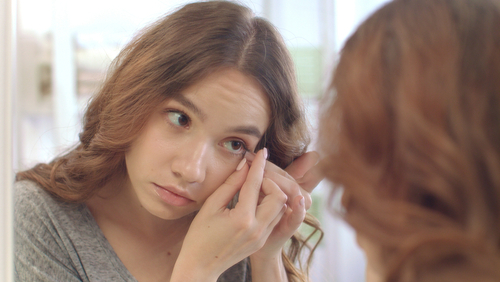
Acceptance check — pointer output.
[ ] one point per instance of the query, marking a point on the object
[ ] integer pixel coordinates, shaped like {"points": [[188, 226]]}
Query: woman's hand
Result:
{"points": [[220, 237], [297, 181], [305, 173]]}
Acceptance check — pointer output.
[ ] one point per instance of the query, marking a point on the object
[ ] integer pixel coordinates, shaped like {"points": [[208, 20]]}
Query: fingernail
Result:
{"points": [[265, 153], [241, 164], [301, 202]]}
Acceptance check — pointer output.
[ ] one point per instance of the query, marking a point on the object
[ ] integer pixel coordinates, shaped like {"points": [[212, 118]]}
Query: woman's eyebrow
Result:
{"points": [[246, 129], [191, 106]]}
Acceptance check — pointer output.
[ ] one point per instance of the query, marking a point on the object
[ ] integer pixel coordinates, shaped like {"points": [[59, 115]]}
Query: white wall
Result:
{"points": [[7, 62]]}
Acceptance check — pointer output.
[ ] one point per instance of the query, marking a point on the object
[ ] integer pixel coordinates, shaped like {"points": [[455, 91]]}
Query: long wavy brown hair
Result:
{"points": [[161, 61], [411, 135]]}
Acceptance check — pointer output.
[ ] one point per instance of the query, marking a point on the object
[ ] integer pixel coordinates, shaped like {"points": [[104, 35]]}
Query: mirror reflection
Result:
{"points": [[67, 53]]}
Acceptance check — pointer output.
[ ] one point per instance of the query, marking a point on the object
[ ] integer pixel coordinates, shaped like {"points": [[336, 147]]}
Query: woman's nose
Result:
{"points": [[190, 162]]}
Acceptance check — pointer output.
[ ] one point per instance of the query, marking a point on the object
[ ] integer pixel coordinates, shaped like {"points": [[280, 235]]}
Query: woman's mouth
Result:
{"points": [[169, 196]]}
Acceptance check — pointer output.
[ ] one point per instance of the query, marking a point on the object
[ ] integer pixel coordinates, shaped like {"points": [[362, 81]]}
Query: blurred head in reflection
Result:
{"points": [[410, 130], [160, 63]]}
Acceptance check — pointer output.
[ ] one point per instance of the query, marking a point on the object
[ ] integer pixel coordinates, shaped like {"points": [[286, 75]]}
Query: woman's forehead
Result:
{"points": [[229, 97]]}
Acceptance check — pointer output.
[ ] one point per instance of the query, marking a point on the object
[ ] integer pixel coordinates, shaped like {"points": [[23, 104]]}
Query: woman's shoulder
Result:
{"points": [[41, 237], [30, 199], [60, 240], [26, 188], [26, 191], [38, 214], [40, 217]]}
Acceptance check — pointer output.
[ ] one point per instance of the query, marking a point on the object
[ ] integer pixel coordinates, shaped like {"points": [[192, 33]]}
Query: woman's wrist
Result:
{"points": [[268, 268], [186, 270], [191, 274]]}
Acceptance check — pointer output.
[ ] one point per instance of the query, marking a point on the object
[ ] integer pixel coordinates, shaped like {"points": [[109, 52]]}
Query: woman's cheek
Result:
{"points": [[219, 172]]}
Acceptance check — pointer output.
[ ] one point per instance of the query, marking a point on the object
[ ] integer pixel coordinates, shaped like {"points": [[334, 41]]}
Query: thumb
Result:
{"points": [[298, 213], [225, 193]]}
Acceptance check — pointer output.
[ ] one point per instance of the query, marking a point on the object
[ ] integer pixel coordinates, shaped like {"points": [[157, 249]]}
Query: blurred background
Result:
{"points": [[55, 54]]}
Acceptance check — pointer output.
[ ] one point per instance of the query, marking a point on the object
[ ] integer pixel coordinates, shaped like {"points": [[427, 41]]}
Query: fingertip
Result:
{"points": [[264, 154], [299, 204], [301, 201]]}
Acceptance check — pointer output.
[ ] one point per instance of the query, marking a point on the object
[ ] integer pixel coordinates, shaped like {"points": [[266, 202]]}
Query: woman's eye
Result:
{"points": [[178, 118], [234, 146]]}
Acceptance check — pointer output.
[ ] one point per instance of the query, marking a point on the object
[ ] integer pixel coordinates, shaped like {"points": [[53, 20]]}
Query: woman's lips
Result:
{"points": [[170, 197]]}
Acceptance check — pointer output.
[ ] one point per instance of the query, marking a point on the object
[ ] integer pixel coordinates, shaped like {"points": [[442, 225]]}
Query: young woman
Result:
{"points": [[167, 143], [412, 135]]}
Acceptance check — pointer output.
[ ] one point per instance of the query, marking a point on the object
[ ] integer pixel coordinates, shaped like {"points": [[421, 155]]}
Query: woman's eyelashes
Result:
{"points": [[235, 147], [178, 118]]}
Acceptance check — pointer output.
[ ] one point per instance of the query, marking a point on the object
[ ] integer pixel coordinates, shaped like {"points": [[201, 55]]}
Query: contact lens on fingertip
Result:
{"points": [[265, 153]]}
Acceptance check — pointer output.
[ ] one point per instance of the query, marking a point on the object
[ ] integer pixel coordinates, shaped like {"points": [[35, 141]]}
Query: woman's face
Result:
{"points": [[192, 143]]}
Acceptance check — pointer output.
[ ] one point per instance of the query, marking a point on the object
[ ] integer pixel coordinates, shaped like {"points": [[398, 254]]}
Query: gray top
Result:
{"points": [[58, 241]]}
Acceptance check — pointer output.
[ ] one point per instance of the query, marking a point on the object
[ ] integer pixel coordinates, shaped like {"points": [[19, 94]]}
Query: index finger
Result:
{"points": [[249, 193]]}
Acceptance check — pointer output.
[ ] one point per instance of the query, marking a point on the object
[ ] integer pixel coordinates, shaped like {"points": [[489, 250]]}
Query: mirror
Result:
{"points": [[64, 48]]}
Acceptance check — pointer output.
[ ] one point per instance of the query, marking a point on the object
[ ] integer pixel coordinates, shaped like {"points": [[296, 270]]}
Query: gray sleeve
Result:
{"points": [[40, 254], [239, 272]]}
